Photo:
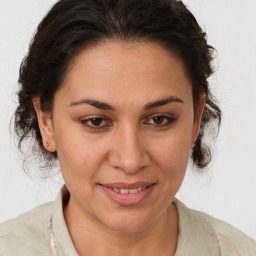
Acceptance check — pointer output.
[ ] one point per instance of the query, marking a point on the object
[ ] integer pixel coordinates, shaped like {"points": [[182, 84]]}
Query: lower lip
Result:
{"points": [[128, 199]]}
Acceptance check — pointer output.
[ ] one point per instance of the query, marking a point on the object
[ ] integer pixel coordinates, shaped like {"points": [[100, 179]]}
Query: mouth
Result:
{"points": [[128, 191], [128, 194]]}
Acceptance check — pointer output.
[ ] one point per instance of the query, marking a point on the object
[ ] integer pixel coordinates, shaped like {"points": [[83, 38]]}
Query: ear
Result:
{"points": [[45, 126], [198, 118]]}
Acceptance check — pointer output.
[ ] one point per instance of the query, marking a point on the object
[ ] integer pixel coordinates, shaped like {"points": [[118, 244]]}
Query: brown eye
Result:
{"points": [[158, 119], [96, 121], [161, 120]]}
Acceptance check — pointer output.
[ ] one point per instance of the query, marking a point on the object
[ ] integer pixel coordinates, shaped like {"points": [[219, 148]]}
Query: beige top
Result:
{"points": [[199, 234]]}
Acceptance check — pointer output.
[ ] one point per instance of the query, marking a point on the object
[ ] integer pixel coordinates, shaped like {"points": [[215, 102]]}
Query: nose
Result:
{"points": [[128, 151]]}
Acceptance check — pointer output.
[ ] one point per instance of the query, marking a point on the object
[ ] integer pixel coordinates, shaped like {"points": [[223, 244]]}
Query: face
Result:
{"points": [[123, 125]]}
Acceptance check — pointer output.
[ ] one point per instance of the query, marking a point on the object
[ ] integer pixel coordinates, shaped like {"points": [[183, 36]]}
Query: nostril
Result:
{"points": [[129, 162], [127, 150]]}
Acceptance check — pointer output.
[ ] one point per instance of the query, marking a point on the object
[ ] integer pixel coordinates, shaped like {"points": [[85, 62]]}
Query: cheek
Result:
{"points": [[172, 157], [173, 150], [76, 153]]}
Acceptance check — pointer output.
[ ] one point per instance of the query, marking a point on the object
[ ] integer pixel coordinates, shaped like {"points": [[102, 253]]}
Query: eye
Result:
{"points": [[161, 120], [95, 123]]}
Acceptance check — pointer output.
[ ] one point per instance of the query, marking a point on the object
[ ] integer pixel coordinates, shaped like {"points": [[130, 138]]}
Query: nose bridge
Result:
{"points": [[128, 152]]}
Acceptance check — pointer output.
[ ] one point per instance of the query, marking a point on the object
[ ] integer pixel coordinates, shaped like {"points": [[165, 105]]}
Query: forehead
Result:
{"points": [[116, 69]]}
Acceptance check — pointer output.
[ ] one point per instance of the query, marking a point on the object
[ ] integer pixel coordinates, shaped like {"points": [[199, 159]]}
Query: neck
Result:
{"points": [[90, 238]]}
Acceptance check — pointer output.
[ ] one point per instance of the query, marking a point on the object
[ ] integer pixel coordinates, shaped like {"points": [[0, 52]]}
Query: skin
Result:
{"points": [[126, 144]]}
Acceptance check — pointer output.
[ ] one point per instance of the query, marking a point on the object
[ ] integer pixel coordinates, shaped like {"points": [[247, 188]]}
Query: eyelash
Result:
{"points": [[168, 121]]}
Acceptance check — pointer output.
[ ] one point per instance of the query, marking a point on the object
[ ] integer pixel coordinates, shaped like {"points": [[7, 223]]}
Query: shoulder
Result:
{"points": [[28, 234], [227, 239], [231, 241]]}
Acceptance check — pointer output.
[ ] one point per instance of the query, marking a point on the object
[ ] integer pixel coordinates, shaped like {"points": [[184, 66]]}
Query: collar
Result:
{"points": [[62, 238], [196, 234]]}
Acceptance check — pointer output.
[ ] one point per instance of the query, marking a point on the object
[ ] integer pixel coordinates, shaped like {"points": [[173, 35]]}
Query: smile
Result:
{"points": [[128, 191], [128, 194]]}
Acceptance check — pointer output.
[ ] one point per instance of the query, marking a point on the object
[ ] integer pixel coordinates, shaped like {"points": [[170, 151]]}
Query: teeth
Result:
{"points": [[133, 191], [124, 191], [128, 191]]}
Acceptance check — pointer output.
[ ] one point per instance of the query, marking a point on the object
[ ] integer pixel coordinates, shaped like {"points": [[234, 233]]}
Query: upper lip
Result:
{"points": [[121, 185]]}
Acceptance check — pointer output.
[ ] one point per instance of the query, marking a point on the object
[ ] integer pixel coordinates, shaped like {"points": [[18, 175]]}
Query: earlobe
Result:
{"points": [[198, 119], [45, 126]]}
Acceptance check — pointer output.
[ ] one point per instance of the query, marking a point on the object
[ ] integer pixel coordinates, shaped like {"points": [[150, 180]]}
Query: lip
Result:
{"points": [[140, 184], [128, 199]]}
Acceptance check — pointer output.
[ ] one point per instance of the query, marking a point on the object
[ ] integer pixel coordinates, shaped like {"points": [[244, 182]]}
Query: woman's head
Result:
{"points": [[122, 119], [72, 26]]}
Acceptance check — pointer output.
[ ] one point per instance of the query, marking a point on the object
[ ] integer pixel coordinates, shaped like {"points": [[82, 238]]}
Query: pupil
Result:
{"points": [[158, 119], [96, 121]]}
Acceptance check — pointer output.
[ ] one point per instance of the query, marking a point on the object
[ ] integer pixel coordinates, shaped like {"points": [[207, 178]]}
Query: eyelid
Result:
{"points": [[169, 117], [169, 120], [85, 121]]}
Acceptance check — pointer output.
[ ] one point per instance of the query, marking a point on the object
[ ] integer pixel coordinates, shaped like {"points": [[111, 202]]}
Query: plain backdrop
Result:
{"points": [[227, 190]]}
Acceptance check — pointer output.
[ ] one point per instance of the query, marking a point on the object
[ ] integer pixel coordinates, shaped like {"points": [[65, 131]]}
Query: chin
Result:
{"points": [[128, 222]]}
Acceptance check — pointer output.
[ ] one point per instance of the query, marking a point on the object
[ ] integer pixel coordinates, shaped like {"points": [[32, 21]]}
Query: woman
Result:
{"points": [[117, 92]]}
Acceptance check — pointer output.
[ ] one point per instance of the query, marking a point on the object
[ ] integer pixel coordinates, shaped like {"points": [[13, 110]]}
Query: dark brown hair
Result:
{"points": [[72, 25]]}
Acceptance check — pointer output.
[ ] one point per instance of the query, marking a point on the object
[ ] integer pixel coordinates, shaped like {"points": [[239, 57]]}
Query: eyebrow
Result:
{"points": [[162, 102], [106, 106], [94, 103]]}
